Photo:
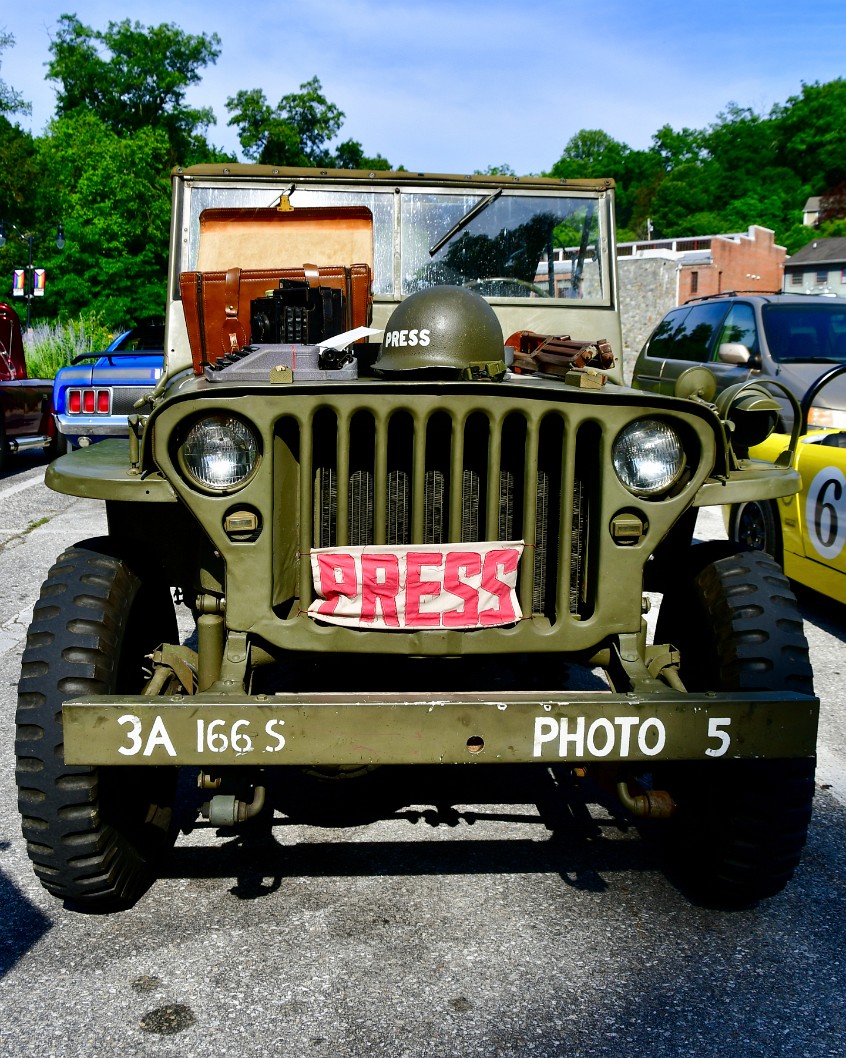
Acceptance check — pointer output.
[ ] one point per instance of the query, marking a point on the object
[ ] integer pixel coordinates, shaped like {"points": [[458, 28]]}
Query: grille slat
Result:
{"points": [[343, 491], [380, 484], [399, 478], [418, 482], [309, 502], [529, 522]]}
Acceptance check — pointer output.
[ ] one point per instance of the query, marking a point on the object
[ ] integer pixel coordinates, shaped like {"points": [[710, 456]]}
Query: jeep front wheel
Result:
{"points": [[740, 825], [93, 833]]}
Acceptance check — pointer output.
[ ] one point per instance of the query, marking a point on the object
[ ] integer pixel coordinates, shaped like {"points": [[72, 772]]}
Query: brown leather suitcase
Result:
{"points": [[217, 304], [244, 252]]}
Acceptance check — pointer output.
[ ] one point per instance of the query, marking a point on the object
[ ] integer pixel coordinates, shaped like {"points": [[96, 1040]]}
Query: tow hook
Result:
{"points": [[226, 810], [663, 663], [646, 804]]}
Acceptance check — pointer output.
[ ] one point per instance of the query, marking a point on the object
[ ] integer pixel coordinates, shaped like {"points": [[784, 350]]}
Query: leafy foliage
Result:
{"points": [[297, 131], [140, 81], [495, 170], [11, 102], [811, 136], [18, 172], [745, 168], [111, 192]]}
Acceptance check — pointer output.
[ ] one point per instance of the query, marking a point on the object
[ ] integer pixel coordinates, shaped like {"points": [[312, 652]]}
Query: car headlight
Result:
{"points": [[826, 418], [648, 457], [220, 452]]}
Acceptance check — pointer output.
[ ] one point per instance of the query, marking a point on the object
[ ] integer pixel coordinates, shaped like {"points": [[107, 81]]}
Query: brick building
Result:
{"points": [[655, 276], [712, 264]]}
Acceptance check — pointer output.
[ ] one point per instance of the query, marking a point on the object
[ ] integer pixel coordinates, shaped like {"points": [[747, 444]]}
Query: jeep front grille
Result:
{"points": [[396, 476]]}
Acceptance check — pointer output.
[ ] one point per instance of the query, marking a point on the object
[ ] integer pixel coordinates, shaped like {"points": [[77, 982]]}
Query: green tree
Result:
{"points": [[681, 196], [590, 153], [134, 77], [297, 131], [19, 182], [810, 135], [350, 155], [676, 148], [495, 170], [111, 194], [11, 102], [593, 154]]}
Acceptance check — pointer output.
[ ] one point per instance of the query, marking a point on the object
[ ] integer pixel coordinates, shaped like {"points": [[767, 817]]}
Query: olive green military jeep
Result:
{"points": [[393, 473]]}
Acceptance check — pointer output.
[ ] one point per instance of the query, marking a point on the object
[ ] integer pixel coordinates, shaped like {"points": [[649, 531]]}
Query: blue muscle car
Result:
{"points": [[93, 397]]}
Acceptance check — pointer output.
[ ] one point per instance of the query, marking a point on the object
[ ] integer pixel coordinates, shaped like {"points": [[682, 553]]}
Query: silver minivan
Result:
{"points": [[792, 338]]}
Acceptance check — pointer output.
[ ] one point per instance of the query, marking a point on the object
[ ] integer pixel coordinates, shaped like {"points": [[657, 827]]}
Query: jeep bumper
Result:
{"points": [[582, 726]]}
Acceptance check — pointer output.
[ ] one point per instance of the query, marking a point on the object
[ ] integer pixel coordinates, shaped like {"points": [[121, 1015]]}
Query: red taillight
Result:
{"points": [[89, 401]]}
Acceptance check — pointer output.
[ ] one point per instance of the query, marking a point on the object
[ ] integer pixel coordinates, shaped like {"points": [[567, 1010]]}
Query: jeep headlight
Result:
{"points": [[220, 452], [648, 457]]}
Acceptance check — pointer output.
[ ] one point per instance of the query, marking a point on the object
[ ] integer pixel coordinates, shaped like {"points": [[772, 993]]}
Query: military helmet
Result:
{"points": [[447, 329]]}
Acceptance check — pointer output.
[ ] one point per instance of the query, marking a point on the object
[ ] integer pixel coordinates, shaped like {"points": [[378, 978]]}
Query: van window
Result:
{"points": [[739, 327], [688, 333]]}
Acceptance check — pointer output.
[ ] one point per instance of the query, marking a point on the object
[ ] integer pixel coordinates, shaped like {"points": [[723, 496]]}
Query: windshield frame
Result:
{"points": [[271, 186], [391, 209]]}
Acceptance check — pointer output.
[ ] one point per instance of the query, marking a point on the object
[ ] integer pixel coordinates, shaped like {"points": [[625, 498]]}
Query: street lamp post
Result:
{"points": [[29, 238]]}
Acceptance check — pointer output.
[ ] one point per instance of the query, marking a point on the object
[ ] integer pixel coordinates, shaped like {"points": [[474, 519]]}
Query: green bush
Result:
{"points": [[49, 346]]}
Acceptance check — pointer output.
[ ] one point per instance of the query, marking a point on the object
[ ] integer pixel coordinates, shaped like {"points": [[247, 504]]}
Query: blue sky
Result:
{"points": [[457, 86]]}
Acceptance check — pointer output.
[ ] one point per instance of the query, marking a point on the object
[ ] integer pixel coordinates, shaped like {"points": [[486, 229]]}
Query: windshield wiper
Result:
{"points": [[578, 266], [465, 220]]}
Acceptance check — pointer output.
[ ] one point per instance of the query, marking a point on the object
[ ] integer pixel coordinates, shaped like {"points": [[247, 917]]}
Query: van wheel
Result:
{"points": [[740, 825], [93, 833]]}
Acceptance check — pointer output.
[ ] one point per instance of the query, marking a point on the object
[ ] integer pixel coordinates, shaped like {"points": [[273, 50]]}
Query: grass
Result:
{"points": [[50, 346]]}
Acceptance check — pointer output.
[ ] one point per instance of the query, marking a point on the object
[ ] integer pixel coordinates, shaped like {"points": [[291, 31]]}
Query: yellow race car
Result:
{"points": [[805, 532]]}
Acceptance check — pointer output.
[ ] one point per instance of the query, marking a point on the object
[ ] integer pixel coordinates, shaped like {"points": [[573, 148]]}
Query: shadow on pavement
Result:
{"points": [[23, 923]]}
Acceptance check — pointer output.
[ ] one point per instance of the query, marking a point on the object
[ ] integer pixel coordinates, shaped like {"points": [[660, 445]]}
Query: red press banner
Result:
{"points": [[413, 587]]}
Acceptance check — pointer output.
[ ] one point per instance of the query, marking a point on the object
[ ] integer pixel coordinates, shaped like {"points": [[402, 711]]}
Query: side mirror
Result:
{"points": [[734, 353]]}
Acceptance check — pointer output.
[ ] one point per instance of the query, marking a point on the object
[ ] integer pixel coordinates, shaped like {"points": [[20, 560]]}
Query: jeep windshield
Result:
{"points": [[502, 244], [806, 333]]}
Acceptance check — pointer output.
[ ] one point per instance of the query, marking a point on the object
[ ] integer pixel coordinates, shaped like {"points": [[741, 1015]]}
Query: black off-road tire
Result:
{"points": [[755, 525], [740, 825], [93, 834]]}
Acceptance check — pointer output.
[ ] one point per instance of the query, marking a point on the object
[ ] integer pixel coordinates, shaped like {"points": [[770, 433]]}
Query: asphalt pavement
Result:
{"points": [[441, 931]]}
